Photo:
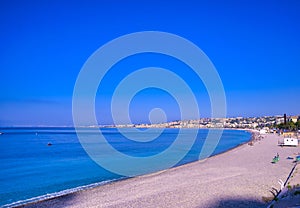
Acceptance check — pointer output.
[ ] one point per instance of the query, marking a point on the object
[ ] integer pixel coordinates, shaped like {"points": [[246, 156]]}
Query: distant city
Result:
{"points": [[270, 123]]}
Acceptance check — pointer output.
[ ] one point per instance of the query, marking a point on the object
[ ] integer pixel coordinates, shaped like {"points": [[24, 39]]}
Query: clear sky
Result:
{"points": [[254, 45]]}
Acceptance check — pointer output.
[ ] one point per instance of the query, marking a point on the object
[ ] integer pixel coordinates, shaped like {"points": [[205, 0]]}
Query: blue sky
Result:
{"points": [[254, 45]]}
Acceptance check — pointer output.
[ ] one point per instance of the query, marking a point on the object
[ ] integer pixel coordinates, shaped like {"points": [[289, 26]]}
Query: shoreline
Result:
{"points": [[58, 194], [240, 177], [65, 193]]}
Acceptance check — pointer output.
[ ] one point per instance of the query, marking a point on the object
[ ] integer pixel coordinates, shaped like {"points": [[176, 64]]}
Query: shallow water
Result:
{"points": [[31, 168]]}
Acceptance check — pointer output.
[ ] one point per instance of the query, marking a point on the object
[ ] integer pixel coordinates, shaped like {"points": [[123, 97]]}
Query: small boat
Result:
{"points": [[49, 144], [1, 133]]}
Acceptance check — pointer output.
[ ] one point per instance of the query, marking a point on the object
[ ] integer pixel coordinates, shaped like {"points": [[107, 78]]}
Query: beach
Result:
{"points": [[241, 177]]}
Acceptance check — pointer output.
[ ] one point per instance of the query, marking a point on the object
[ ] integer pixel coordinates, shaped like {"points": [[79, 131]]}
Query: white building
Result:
{"points": [[290, 142]]}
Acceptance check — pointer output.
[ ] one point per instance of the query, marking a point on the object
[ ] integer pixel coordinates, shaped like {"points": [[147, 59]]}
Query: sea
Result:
{"points": [[41, 163]]}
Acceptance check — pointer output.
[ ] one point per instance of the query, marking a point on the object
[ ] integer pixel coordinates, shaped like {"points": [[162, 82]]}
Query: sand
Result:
{"points": [[242, 177]]}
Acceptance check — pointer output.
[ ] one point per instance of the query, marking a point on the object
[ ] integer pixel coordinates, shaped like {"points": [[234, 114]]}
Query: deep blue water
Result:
{"points": [[30, 168]]}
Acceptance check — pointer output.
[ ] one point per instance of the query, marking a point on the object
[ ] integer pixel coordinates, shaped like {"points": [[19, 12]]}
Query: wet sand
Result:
{"points": [[242, 177]]}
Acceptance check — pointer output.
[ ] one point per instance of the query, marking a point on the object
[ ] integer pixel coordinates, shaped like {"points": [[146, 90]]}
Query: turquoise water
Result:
{"points": [[30, 168]]}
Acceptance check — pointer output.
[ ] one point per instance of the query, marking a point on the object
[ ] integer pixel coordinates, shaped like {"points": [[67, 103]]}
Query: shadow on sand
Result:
{"points": [[237, 203], [68, 200]]}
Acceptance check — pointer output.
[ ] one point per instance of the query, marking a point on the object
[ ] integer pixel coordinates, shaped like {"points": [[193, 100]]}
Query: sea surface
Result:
{"points": [[30, 169]]}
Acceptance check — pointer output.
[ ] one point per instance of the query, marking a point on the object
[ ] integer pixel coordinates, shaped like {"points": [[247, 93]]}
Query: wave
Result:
{"points": [[59, 193]]}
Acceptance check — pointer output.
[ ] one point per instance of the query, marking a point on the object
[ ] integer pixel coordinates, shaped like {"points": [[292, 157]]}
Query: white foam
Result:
{"points": [[58, 194]]}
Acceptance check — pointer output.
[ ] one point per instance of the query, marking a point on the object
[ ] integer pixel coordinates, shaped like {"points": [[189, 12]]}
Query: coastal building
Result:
{"points": [[293, 119], [279, 120]]}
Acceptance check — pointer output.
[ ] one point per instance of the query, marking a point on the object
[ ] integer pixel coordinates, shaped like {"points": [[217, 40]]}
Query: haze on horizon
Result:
{"points": [[254, 46]]}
